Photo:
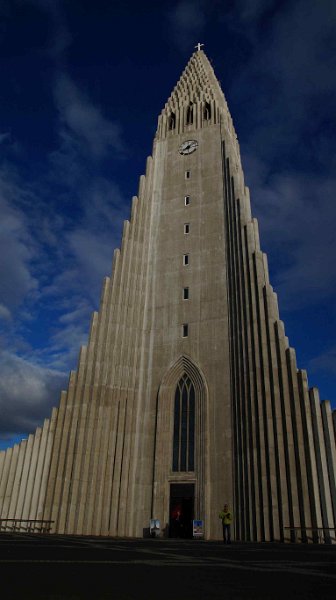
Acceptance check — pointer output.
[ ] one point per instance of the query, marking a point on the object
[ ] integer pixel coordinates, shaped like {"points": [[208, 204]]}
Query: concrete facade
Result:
{"points": [[189, 297]]}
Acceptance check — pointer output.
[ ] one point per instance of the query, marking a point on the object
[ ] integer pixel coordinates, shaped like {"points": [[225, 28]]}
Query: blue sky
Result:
{"points": [[82, 86]]}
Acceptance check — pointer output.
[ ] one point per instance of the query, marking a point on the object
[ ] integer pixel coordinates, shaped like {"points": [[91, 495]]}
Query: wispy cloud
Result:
{"points": [[5, 313], [56, 244], [325, 362], [4, 137], [27, 392], [17, 247], [288, 149], [291, 208], [52, 269], [251, 11], [288, 71], [187, 20], [85, 127], [59, 230]]}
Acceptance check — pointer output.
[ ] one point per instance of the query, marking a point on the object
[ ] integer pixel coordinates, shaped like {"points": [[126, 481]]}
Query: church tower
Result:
{"points": [[187, 395]]}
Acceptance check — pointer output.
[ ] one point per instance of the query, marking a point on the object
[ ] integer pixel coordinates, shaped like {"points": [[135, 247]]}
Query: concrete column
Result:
{"points": [[129, 351], [246, 378], [330, 446], [31, 482], [271, 500], [254, 433], [76, 422], [91, 467], [262, 520], [49, 445], [287, 431], [236, 359], [84, 518], [125, 372], [95, 464], [277, 415], [10, 482], [321, 462], [2, 460], [300, 458], [24, 478], [145, 222], [17, 480], [87, 430], [108, 401], [5, 474], [38, 473], [60, 450], [55, 458], [312, 476]]}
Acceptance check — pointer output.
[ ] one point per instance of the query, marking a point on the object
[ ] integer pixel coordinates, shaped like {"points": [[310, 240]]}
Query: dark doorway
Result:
{"points": [[181, 510]]}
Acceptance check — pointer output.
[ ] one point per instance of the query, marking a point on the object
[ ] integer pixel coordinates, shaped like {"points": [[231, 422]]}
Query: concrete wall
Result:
{"points": [[24, 475]]}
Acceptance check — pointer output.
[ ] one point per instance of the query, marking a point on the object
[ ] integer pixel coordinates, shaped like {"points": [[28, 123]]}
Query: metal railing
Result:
{"points": [[26, 525], [319, 534]]}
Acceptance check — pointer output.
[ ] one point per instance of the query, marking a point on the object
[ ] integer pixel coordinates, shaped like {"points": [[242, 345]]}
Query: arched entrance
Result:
{"points": [[179, 481]]}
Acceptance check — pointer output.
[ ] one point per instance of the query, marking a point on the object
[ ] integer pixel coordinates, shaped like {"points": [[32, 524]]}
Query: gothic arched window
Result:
{"points": [[184, 426], [207, 111], [190, 114], [171, 122]]}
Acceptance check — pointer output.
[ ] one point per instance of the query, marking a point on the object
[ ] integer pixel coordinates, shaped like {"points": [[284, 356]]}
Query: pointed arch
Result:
{"points": [[207, 111], [184, 364], [190, 114], [171, 121], [184, 369]]}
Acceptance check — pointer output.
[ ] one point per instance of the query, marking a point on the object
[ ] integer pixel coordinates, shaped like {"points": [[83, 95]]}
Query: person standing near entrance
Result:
{"points": [[226, 517]]}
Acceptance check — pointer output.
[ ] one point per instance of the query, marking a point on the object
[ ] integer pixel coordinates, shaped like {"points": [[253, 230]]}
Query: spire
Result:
{"points": [[197, 99]]}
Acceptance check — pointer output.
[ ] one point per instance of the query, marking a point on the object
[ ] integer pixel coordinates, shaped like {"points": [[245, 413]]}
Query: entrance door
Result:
{"points": [[181, 510]]}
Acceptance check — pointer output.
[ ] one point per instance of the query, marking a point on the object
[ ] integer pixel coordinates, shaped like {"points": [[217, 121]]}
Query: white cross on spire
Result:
{"points": [[199, 46]]}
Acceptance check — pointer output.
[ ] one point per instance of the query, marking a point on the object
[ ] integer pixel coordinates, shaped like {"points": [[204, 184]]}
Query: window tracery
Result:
{"points": [[184, 426]]}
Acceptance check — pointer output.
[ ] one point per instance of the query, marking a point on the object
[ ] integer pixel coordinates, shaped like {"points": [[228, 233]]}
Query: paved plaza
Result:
{"points": [[69, 567]]}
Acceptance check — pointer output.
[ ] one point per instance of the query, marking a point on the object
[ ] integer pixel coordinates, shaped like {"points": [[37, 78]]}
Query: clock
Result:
{"points": [[188, 147]]}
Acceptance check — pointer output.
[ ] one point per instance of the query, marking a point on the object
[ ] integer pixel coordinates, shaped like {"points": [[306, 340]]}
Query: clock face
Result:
{"points": [[188, 147]]}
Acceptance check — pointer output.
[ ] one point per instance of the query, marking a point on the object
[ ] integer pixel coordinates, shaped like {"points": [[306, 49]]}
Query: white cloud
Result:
{"points": [[27, 393], [250, 11], [93, 255], [71, 333], [293, 209], [52, 262], [4, 136], [55, 248], [187, 21], [5, 313], [288, 88], [303, 36], [325, 362], [17, 247], [292, 62], [88, 242], [84, 122]]}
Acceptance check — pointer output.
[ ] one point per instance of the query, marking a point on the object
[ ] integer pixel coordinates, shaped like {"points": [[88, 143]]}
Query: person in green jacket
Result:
{"points": [[226, 517]]}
